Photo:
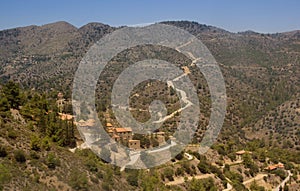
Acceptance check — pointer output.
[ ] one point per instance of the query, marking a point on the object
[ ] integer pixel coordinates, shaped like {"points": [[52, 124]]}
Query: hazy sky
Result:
{"points": [[233, 15]]}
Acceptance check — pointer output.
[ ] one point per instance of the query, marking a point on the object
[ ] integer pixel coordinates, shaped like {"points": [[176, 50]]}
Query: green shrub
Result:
{"points": [[4, 175], [186, 166], [20, 156], [179, 171], [3, 152], [100, 175], [35, 143], [78, 180], [168, 173], [280, 173], [94, 179], [232, 156], [202, 184], [34, 155], [91, 165], [203, 167], [52, 161], [46, 143], [255, 187], [179, 156], [12, 134], [106, 186], [132, 179]]}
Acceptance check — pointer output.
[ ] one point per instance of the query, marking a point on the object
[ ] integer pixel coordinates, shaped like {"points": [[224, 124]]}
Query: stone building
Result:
{"points": [[134, 144]]}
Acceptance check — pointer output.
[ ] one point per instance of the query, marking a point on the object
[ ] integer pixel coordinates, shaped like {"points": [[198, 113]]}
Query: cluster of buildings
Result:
{"points": [[272, 167], [60, 102], [123, 135], [275, 166]]}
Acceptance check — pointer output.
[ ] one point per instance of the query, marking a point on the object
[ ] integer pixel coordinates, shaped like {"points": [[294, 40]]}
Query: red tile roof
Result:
{"points": [[275, 166]]}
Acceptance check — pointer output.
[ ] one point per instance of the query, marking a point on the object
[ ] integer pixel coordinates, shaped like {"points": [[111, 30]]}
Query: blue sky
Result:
{"points": [[267, 16]]}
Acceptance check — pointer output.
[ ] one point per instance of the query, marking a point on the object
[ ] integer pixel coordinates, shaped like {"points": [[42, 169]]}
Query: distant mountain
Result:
{"points": [[47, 39]]}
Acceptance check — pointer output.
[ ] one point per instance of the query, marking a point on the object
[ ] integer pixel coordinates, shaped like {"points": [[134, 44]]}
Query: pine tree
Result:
{"points": [[12, 93]]}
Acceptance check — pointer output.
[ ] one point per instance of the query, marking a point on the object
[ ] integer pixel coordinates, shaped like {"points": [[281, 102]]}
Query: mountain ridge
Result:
{"points": [[194, 22]]}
